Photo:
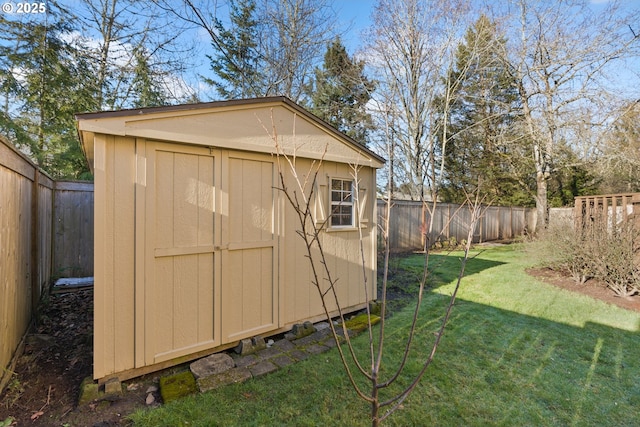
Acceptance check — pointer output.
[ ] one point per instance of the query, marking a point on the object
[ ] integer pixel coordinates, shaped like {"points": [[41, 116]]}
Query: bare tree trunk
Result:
{"points": [[561, 62]]}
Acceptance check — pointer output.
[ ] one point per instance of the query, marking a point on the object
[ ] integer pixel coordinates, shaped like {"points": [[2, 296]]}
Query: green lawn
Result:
{"points": [[516, 352]]}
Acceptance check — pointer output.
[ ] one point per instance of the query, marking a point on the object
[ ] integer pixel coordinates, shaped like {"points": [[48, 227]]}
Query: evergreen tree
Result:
{"points": [[237, 61], [572, 178], [340, 92], [484, 118], [147, 90], [51, 86]]}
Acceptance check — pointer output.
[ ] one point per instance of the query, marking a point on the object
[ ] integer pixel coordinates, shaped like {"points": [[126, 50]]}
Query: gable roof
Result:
{"points": [[246, 124]]}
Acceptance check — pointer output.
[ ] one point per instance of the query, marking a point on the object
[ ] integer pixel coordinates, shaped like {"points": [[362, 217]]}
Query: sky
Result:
{"points": [[353, 16], [356, 15]]}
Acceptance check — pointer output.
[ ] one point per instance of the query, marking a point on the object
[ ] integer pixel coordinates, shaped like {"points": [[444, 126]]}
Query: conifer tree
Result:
{"points": [[146, 88], [44, 81], [484, 118], [237, 63], [340, 92]]}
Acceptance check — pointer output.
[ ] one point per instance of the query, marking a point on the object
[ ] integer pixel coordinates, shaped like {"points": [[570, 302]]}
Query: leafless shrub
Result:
{"points": [[561, 248], [606, 254], [613, 259]]}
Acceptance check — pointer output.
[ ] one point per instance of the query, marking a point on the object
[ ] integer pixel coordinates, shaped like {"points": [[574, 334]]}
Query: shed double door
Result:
{"points": [[210, 250]]}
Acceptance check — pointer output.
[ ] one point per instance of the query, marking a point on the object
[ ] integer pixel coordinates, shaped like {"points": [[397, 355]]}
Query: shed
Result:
{"points": [[195, 246]]}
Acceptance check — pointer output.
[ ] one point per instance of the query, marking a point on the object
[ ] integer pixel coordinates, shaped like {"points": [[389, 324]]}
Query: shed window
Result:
{"points": [[341, 203]]}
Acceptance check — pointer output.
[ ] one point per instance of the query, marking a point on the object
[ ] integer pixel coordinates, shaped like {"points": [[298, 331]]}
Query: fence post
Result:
{"points": [[635, 201], [35, 243]]}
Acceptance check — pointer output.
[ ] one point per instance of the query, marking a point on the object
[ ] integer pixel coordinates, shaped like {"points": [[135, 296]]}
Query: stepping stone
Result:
{"points": [[317, 349], [302, 342], [299, 354], [262, 368], [235, 375], [244, 361], [284, 345], [212, 365], [113, 387], [330, 342], [89, 391], [320, 326], [177, 385], [268, 353], [282, 360]]}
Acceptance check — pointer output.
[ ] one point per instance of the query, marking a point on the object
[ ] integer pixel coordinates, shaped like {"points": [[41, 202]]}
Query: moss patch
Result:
{"points": [[359, 323], [177, 386], [89, 391]]}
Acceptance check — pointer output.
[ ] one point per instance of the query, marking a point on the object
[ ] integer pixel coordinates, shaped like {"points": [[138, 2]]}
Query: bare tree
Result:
{"points": [[116, 35], [387, 391], [618, 156], [292, 37], [562, 56], [412, 46]]}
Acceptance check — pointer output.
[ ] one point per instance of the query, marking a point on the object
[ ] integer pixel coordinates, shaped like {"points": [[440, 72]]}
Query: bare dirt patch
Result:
{"points": [[58, 355]]}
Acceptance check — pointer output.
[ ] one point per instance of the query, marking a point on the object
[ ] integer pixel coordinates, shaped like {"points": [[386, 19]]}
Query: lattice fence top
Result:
{"points": [[606, 210]]}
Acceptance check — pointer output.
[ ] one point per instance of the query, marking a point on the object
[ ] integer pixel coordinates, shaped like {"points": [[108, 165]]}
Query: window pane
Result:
{"points": [[341, 202]]}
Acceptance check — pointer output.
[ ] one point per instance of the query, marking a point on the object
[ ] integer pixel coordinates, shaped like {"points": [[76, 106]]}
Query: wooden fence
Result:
{"points": [[451, 221], [46, 229], [26, 196], [606, 210], [73, 229]]}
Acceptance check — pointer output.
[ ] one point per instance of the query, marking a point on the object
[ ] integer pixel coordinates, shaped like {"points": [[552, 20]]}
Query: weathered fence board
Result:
{"points": [[25, 242], [451, 221], [46, 228], [605, 210], [73, 229]]}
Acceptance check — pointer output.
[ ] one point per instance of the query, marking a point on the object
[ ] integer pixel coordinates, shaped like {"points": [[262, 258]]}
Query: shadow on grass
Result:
{"points": [[494, 367], [406, 271], [501, 367]]}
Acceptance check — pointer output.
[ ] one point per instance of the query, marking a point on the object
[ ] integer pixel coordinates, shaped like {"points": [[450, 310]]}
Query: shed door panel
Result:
{"points": [[180, 295], [249, 293]]}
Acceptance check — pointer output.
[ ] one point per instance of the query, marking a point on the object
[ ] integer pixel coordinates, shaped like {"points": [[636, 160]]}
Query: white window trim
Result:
{"points": [[352, 203]]}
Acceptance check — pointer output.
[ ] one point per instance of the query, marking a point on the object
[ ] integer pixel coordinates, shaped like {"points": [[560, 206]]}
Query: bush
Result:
{"points": [[560, 248], [608, 255], [614, 261]]}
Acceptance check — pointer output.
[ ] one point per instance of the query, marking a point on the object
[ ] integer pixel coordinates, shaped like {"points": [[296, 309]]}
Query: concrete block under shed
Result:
{"points": [[212, 365]]}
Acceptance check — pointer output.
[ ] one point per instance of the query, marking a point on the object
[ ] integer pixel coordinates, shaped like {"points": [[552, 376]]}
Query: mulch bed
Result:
{"points": [[592, 288]]}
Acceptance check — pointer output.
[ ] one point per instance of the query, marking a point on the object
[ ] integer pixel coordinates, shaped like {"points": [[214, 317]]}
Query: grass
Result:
{"points": [[516, 352]]}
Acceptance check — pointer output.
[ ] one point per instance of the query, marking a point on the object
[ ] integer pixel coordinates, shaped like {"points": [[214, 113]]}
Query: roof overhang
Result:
{"points": [[272, 125]]}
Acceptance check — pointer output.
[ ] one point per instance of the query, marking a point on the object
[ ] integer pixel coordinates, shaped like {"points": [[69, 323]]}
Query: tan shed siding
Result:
{"points": [[239, 128], [180, 300], [114, 254], [342, 250], [249, 281]]}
